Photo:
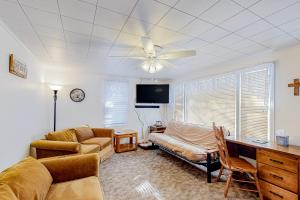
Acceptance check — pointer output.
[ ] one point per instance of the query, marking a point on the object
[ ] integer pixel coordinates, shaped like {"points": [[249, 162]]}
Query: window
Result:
{"points": [[241, 101], [212, 100], [255, 102], [179, 102], [116, 103]]}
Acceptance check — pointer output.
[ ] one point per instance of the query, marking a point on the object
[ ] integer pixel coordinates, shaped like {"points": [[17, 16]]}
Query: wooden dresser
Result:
{"points": [[278, 167]]}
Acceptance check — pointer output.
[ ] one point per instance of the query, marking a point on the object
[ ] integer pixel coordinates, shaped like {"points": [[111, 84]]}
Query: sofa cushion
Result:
{"points": [[28, 179], [86, 188], [101, 141], [84, 133], [6, 193], [89, 148], [68, 135]]}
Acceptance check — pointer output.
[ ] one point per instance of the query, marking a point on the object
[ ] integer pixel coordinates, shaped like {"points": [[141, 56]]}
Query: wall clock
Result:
{"points": [[77, 95]]}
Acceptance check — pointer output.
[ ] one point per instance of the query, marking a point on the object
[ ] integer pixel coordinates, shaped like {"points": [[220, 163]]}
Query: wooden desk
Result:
{"points": [[278, 166]]}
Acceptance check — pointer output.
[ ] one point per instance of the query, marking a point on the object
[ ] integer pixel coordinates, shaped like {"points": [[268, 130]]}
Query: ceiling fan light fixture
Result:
{"points": [[152, 66]]}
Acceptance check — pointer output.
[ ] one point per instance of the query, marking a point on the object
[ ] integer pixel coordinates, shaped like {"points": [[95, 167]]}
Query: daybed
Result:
{"points": [[192, 143]]}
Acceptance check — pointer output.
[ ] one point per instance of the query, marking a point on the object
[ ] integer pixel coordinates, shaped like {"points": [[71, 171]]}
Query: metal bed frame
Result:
{"points": [[211, 165]]}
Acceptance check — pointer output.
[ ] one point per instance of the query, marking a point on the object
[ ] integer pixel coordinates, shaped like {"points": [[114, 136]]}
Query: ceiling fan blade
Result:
{"points": [[148, 46], [177, 54], [130, 57]]}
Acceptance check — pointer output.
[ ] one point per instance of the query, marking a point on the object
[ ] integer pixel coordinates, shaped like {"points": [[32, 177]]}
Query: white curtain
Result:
{"points": [[116, 102]]}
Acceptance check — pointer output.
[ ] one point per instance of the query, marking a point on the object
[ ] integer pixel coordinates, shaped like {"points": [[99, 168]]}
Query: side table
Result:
{"points": [[131, 146]]}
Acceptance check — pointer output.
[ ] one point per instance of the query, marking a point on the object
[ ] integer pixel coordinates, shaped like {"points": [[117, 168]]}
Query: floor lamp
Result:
{"points": [[55, 89]]}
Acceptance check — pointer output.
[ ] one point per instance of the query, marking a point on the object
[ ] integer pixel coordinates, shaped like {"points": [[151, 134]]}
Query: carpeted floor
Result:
{"points": [[155, 175]]}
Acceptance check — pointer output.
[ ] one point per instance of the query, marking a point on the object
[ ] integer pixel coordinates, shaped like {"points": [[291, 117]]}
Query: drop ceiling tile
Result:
{"points": [[46, 5], [162, 36], [21, 24], [77, 38], [252, 49], [128, 40], [38, 17], [214, 49], [49, 41], [150, 11], [195, 44], [120, 51], [77, 10], [10, 9], [243, 44], [196, 27], [239, 21], [267, 7], [175, 20], [77, 26], [77, 49], [229, 40], [109, 19], [124, 6], [280, 41], [266, 35], [296, 34], [285, 15], [195, 7], [100, 45], [291, 26], [137, 27], [56, 33], [221, 11], [254, 28], [246, 3], [214, 34], [169, 2], [105, 33]]}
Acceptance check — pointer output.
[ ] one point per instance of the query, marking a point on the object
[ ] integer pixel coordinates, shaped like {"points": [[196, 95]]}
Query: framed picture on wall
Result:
{"points": [[17, 67]]}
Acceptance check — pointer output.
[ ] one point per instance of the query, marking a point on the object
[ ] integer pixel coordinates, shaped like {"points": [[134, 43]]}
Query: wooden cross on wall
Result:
{"points": [[296, 86]]}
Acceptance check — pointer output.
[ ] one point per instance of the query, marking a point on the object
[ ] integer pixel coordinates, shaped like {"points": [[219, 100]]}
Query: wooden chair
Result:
{"points": [[234, 164]]}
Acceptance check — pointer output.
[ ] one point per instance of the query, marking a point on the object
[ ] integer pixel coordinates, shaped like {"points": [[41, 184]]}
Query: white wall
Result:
{"points": [[91, 110], [23, 107], [287, 68]]}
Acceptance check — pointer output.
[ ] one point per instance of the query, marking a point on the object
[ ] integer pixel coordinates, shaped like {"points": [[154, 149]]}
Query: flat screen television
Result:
{"points": [[152, 93]]}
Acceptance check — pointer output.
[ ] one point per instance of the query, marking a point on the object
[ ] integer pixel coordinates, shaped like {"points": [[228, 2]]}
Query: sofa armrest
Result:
{"points": [[56, 145], [72, 167], [103, 132]]}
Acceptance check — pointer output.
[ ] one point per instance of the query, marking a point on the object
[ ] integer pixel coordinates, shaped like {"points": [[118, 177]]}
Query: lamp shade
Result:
{"points": [[55, 87]]}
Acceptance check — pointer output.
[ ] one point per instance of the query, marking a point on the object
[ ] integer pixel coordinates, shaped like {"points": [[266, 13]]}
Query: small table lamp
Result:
{"points": [[55, 89]]}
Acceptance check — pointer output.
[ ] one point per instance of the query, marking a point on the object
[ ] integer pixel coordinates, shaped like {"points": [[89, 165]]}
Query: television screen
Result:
{"points": [[146, 93]]}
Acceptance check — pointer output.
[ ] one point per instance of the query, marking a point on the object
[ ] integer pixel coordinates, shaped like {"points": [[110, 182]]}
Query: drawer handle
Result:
{"points": [[276, 176], [276, 161], [275, 194]]}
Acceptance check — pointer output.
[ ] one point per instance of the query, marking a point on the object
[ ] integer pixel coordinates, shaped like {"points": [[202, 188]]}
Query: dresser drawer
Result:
{"points": [[279, 177], [282, 161], [270, 191]]}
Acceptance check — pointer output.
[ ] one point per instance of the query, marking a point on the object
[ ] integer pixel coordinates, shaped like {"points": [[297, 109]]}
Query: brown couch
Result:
{"points": [[67, 178], [71, 141]]}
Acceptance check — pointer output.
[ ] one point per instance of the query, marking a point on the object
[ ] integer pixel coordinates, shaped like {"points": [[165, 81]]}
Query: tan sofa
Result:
{"points": [[82, 140], [192, 143], [68, 178]]}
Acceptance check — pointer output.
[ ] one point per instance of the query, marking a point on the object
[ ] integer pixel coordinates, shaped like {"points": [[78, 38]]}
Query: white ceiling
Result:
{"points": [[83, 34]]}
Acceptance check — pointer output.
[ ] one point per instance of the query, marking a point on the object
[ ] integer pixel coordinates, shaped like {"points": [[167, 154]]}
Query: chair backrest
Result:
{"points": [[222, 146]]}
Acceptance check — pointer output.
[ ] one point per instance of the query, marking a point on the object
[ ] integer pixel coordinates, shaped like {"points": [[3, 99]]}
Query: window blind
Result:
{"points": [[179, 101], [116, 94], [212, 100], [255, 102]]}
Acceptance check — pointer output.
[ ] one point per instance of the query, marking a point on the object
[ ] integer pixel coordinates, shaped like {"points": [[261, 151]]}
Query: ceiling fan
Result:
{"points": [[153, 59]]}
